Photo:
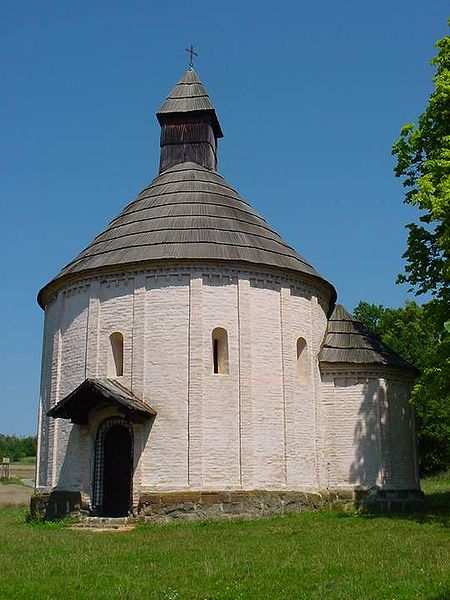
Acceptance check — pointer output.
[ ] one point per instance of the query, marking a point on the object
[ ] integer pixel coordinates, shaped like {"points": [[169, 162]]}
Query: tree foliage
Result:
{"points": [[16, 448], [416, 333], [423, 162]]}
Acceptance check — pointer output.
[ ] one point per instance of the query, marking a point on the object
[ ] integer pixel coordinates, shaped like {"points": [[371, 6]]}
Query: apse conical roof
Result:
{"points": [[350, 341]]}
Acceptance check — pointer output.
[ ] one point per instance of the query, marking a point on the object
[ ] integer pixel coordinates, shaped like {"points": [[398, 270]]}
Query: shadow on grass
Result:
{"points": [[437, 510]]}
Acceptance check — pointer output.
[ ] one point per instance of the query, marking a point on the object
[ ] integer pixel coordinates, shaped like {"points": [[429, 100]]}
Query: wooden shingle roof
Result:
{"points": [[350, 341], [189, 96], [188, 212], [95, 393]]}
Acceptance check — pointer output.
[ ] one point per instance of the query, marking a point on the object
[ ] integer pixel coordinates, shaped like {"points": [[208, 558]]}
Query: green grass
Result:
{"points": [[10, 481], [437, 484], [437, 491], [307, 556], [27, 460]]}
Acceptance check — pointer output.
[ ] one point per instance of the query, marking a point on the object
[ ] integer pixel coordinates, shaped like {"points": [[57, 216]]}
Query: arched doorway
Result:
{"points": [[113, 470]]}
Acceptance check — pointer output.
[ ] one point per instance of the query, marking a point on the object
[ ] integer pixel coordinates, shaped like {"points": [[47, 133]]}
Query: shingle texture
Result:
{"points": [[189, 212], [92, 392], [350, 341], [187, 96]]}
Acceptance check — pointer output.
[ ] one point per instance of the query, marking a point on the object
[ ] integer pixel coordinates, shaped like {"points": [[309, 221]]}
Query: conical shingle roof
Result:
{"points": [[188, 212], [350, 341]]}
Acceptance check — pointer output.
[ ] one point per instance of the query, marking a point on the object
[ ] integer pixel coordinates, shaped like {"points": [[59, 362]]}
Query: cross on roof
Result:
{"points": [[192, 53]]}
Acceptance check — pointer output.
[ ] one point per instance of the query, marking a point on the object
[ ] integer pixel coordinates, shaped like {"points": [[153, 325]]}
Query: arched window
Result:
{"points": [[115, 362], [302, 361], [220, 351]]}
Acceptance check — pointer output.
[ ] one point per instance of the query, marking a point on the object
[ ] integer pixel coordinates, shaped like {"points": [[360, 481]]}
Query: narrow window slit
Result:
{"points": [[115, 363], [302, 361], [220, 351], [216, 355]]}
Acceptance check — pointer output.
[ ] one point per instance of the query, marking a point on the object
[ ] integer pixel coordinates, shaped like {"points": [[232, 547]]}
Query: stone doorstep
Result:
{"points": [[105, 523], [106, 520], [102, 527]]}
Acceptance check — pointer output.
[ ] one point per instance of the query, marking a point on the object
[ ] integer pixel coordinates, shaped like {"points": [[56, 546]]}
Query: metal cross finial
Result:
{"points": [[191, 53]]}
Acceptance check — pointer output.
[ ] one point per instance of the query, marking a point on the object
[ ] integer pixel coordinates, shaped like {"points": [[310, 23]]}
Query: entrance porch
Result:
{"points": [[109, 417]]}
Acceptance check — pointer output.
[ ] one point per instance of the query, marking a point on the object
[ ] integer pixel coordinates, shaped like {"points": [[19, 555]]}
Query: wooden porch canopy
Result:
{"points": [[99, 393]]}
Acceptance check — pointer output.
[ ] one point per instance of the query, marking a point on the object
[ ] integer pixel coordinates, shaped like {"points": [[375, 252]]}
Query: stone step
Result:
{"points": [[105, 522]]}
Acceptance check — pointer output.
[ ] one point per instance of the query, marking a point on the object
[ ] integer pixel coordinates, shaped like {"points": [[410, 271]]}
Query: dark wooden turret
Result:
{"points": [[189, 125]]}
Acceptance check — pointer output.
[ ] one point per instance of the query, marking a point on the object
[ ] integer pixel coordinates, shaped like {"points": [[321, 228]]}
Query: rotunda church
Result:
{"points": [[195, 364]]}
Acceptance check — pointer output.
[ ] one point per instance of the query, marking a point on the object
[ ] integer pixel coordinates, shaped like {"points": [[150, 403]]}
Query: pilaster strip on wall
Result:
{"points": [[247, 441], [283, 383], [238, 281], [315, 373], [329, 401], [86, 339], [380, 475], [53, 393], [97, 335], [138, 337], [42, 397], [92, 331], [38, 445], [86, 474], [389, 432], [386, 434], [189, 386], [56, 399], [196, 352]]}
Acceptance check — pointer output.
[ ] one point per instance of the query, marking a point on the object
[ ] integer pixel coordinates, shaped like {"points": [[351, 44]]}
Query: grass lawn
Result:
{"points": [[303, 556], [28, 460]]}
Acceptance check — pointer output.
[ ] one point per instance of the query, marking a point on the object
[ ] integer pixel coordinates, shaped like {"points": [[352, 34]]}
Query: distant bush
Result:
{"points": [[17, 447]]}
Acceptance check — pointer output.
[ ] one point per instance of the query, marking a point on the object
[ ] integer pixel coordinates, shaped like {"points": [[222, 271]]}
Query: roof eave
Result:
{"points": [[92, 389], [408, 370], [52, 287], [164, 116]]}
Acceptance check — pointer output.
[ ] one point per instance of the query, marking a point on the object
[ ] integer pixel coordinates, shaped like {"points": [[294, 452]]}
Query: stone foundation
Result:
{"points": [[190, 505], [51, 506], [206, 505]]}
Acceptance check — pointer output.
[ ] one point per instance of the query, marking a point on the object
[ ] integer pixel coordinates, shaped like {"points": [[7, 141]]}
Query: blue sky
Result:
{"points": [[310, 97]]}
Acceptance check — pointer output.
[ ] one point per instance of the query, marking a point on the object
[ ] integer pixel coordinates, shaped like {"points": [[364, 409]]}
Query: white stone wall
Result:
{"points": [[166, 380], [218, 402], [368, 429], [260, 426]]}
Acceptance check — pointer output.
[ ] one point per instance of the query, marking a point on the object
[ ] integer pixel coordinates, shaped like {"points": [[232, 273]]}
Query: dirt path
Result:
{"points": [[14, 495]]}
